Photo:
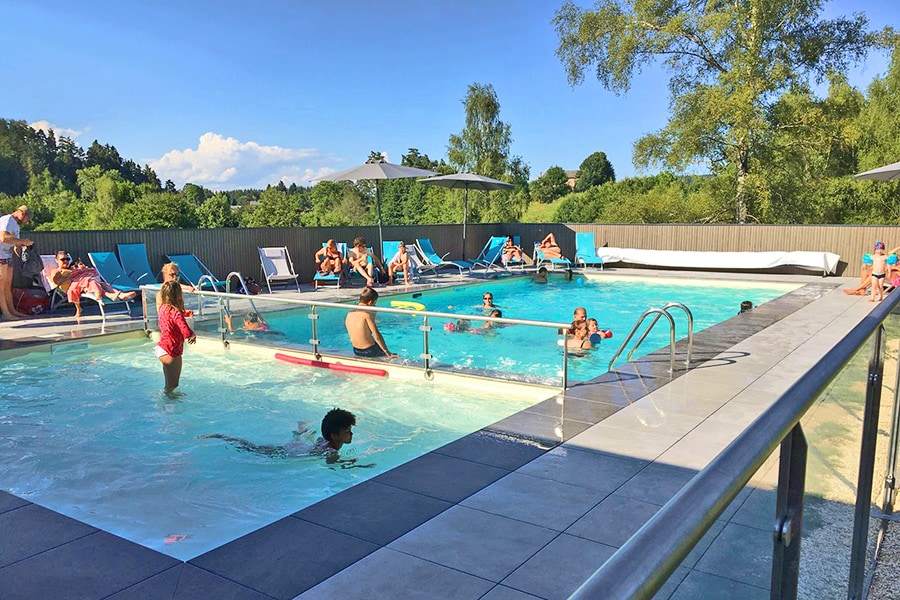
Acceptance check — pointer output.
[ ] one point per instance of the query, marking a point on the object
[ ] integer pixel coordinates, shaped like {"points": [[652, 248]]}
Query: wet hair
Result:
{"points": [[368, 295], [335, 420], [252, 317], [170, 292], [463, 324], [594, 321], [496, 313], [745, 306]]}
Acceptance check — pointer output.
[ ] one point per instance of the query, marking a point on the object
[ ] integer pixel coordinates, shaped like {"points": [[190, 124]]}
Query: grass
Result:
{"points": [[541, 213]]}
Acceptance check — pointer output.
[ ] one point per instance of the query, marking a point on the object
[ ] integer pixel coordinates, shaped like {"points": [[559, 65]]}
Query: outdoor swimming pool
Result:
{"points": [[87, 432], [615, 301]]}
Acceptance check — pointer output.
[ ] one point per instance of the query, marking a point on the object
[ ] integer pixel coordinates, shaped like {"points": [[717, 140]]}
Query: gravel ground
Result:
{"points": [[886, 582]]}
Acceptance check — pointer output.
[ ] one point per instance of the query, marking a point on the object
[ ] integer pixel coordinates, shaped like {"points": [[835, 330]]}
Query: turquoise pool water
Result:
{"points": [[616, 302], [88, 433]]}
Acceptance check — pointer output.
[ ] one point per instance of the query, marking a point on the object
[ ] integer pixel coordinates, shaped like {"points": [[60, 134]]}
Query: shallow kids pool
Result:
{"points": [[87, 432]]}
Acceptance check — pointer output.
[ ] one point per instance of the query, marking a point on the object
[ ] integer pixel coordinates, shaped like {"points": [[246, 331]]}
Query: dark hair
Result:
{"points": [[496, 313], [253, 317], [360, 241], [335, 420], [368, 295], [746, 305]]}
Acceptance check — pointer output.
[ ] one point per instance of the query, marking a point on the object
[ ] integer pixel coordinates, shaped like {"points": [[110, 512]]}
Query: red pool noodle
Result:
{"points": [[332, 366]]}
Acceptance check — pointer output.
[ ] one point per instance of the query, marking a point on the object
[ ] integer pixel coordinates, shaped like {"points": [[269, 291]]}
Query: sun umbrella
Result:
{"points": [[376, 170], [467, 181], [885, 173]]}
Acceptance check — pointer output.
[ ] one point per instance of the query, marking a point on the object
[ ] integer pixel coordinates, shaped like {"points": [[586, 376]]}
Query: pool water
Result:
{"points": [[89, 434], [529, 352]]}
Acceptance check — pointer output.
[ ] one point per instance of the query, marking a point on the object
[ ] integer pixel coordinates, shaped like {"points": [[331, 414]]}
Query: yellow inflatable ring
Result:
{"points": [[407, 305]]}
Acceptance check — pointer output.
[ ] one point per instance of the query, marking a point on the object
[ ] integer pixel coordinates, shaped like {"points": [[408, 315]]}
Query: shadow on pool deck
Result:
{"points": [[436, 527]]}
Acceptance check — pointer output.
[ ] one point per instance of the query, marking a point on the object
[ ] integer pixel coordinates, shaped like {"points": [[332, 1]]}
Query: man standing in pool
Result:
{"points": [[365, 338]]}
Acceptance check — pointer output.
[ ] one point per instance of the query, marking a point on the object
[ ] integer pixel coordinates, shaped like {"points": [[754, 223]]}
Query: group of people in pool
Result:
{"points": [[584, 333]]}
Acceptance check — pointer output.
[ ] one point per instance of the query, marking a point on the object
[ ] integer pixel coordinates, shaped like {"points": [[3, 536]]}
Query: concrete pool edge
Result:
{"points": [[475, 461]]}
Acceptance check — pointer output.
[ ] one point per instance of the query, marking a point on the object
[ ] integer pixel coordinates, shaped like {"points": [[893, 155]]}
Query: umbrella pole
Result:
{"points": [[378, 207], [465, 216]]}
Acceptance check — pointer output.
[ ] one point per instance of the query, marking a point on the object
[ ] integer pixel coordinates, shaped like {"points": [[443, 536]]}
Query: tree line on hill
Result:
{"points": [[774, 150]]}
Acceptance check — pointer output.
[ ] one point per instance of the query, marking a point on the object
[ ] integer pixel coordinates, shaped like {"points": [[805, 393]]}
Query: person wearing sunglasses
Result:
{"points": [[487, 301], [76, 280]]}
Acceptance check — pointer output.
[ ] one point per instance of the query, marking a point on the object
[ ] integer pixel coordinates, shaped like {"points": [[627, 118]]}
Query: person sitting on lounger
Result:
{"points": [[399, 263], [364, 261], [80, 280], [330, 259], [511, 252], [549, 247]]}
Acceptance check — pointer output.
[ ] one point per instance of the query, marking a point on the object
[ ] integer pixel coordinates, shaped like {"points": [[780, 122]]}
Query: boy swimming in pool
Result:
{"points": [[337, 430]]}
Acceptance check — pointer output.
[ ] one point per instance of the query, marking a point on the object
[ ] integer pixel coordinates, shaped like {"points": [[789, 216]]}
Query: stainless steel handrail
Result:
{"points": [[650, 311], [643, 564]]}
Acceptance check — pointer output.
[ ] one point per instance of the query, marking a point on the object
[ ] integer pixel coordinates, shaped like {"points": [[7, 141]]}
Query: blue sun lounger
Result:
{"points": [[133, 258], [491, 256], [195, 273], [320, 279], [540, 259], [586, 251], [390, 249], [431, 261], [111, 271]]}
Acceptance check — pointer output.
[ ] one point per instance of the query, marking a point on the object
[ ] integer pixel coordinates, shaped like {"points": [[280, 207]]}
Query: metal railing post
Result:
{"points": [[890, 475], [866, 468], [426, 353], [314, 341], [789, 515]]}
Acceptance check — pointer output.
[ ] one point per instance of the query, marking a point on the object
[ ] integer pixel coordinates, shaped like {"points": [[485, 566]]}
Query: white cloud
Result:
{"points": [[46, 126], [226, 163]]}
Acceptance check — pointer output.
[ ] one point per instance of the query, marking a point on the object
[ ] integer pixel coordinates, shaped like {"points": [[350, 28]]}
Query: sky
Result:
{"points": [[233, 94]]}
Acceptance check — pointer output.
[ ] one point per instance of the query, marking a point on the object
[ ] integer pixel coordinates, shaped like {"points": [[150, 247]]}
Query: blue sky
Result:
{"points": [[230, 94]]}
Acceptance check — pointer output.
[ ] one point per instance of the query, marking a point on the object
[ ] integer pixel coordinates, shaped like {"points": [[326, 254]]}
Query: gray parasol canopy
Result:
{"points": [[376, 170], [467, 181], [885, 173]]}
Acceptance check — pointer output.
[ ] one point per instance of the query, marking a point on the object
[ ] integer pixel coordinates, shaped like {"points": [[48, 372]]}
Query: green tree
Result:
{"points": [[483, 145], [275, 209], [551, 185], [594, 170], [727, 62], [157, 210], [216, 212]]}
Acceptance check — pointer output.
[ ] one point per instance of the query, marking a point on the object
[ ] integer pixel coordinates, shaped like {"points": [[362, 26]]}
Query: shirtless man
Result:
{"points": [[364, 335], [359, 260], [549, 247], [399, 263]]}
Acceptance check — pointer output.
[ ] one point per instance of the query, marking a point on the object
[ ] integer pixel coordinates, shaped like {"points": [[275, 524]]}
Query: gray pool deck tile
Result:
{"points": [[744, 553], [534, 500], [32, 529], [494, 449], [293, 555], [656, 483], [9, 502], [442, 477], [614, 520], [501, 592], [94, 566], [391, 574], [626, 442], [574, 556], [705, 586], [575, 409], [374, 512], [592, 470], [187, 582], [475, 542]]}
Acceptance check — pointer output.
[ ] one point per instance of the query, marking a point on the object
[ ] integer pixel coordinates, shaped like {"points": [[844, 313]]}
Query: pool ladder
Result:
{"points": [[659, 312]]}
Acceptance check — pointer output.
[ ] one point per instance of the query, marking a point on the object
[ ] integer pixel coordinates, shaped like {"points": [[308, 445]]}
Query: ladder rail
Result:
{"points": [[659, 313]]}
